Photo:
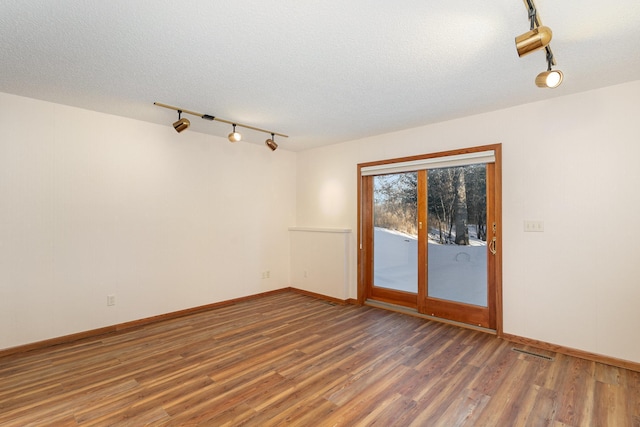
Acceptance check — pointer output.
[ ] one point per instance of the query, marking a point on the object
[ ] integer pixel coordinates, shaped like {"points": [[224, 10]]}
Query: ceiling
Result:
{"points": [[321, 72]]}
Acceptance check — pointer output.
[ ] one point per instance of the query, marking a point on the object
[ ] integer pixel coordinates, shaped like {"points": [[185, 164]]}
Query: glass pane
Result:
{"points": [[395, 240], [457, 252]]}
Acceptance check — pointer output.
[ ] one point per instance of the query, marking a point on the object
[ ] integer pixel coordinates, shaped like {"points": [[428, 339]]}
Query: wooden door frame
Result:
{"points": [[365, 236]]}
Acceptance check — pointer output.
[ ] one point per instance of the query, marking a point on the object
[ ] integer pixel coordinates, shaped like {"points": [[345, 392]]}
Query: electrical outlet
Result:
{"points": [[533, 226], [111, 300]]}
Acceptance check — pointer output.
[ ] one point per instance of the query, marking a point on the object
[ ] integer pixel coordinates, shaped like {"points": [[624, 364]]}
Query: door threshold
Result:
{"points": [[415, 313]]}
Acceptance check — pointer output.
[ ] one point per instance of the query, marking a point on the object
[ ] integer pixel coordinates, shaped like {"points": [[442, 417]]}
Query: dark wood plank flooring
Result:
{"points": [[289, 359]]}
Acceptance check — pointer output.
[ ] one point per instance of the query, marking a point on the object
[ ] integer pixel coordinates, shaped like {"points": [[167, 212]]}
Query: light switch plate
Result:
{"points": [[533, 226]]}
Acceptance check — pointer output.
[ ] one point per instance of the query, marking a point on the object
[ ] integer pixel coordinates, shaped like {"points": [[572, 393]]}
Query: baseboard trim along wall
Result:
{"points": [[129, 325], [323, 297], [620, 363], [593, 357]]}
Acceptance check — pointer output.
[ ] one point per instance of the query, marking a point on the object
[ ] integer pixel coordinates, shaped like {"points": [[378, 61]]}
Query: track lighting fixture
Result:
{"points": [[234, 136], [550, 78], [533, 40], [271, 143], [181, 124], [539, 37]]}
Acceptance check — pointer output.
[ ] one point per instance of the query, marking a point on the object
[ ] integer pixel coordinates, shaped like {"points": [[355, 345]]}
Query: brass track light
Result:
{"points": [[533, 40], [539, 37], [181, 124], [550, 78], [235, 136], [271, 143]]}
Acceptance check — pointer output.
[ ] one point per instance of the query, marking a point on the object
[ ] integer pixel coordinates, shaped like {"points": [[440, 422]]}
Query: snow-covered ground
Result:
{"points": [[456, 273]]}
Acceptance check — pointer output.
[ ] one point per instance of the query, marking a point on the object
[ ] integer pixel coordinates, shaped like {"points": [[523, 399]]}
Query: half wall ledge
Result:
{"points": [[321, 260], [321, 230]]}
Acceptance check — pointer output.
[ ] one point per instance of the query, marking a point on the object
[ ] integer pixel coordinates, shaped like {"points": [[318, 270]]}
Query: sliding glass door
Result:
{"points": [[395, 236], [429, 234]]}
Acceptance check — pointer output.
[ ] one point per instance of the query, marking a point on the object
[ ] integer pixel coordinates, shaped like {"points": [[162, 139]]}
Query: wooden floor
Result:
{"points": [[292, 359]]}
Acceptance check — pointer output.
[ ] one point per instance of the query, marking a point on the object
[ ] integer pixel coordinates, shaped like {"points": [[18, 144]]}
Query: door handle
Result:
{"points": [[492, 246], [492, 243]]}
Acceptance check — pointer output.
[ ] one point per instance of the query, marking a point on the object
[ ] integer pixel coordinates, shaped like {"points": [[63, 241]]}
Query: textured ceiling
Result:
{"points": [[320, 71]]}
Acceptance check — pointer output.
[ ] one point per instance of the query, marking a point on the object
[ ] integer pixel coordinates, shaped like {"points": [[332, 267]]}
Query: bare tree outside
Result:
{"points": [[457, 199], [460, 210], [396, 202]]}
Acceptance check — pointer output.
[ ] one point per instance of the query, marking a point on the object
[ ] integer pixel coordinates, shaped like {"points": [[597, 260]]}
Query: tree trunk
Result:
{"points": [[462, 232]]}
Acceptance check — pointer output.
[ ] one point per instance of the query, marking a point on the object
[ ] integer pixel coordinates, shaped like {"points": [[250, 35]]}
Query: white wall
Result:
{"points": [[572, 162], [93, 204], [320, 261]]}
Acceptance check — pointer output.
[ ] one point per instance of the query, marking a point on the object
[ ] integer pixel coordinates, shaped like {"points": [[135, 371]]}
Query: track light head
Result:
{"points": [[533, 40], [234, 136], [550, 78], [271, 143], [181, 124]]}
